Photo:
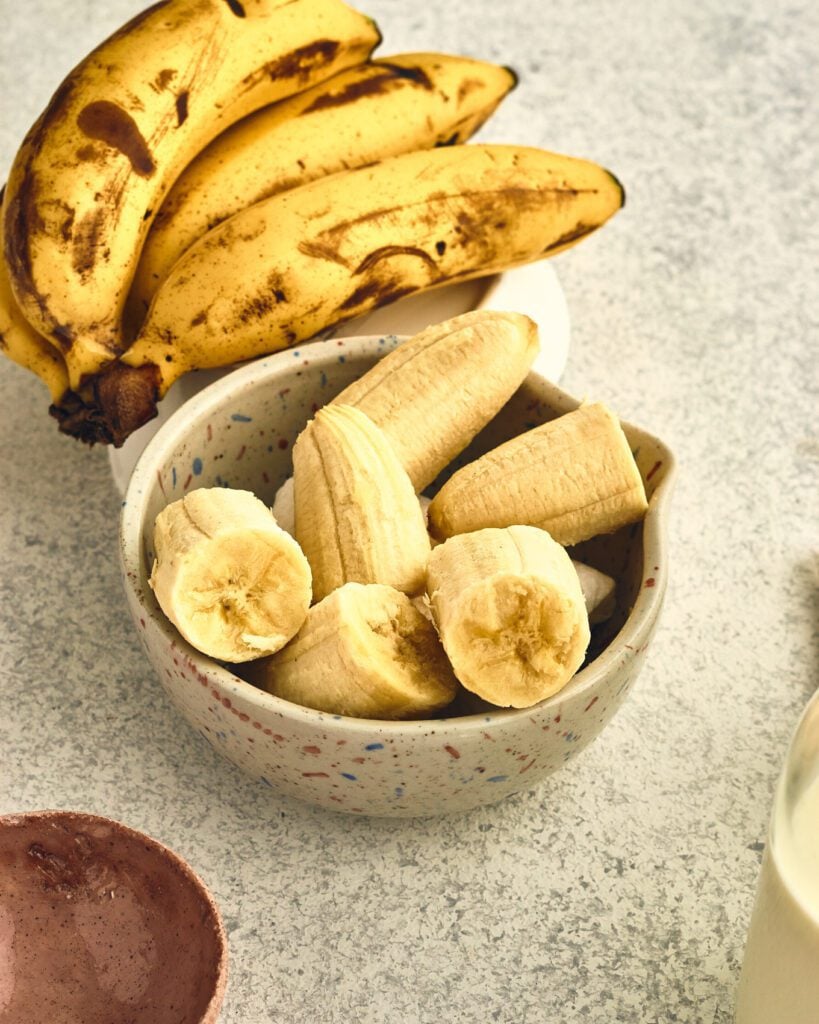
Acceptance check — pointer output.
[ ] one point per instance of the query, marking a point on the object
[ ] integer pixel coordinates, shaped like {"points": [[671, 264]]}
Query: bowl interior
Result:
{"points": [[99, 923], [239, 432]]}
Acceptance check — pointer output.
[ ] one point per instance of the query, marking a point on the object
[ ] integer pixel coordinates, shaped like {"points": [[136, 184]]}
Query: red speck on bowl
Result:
{"points": [[101, 923]]}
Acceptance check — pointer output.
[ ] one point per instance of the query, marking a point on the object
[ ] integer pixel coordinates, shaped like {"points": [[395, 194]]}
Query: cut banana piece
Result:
{"points": [[510, 613], [364, 651], [234, 584], [599, 592], [284, 506], [574, 476], [434, 393], [357, 517]]}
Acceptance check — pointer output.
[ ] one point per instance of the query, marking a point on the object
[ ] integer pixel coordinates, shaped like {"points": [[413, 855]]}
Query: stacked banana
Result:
{"points": [[399, 623], [218, 181]]}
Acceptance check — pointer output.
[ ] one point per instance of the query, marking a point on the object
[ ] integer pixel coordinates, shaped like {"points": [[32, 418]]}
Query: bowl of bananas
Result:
{"points": [[397, 576]]}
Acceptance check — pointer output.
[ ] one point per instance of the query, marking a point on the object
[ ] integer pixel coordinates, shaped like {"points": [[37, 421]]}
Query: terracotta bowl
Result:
{"points": [[99, 923], [239, 432]]}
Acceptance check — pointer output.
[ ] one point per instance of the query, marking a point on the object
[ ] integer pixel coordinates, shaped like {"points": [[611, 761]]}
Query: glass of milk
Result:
{"points": [[780, 972]]}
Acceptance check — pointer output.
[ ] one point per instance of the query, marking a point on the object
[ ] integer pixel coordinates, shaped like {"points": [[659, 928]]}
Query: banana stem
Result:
{"points": [[112, 406]]}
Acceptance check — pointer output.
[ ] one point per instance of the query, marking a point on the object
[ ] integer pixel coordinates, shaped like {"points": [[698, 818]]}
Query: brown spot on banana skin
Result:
{"points": [[259, 306], [86, 239], [373, 86], [22, 222], [181, 108], [414, 74], [236, 8], [163, 79], [298, 64], [386, 251], [67, 223], [320, 251], [467, 86], [63, 335], [375, 293], [109, 123], [90, 153]]}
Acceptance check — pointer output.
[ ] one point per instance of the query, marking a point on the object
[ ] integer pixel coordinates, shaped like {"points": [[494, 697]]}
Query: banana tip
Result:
{"points": [[620, 187], [513, 75]]}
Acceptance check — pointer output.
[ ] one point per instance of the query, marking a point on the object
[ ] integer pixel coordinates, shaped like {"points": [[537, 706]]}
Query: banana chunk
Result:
{"points": [[363, 651], [434, 393], [574, 476], [510, 613], [599, 592], [357, 518], [284, 506], [235, 585]]}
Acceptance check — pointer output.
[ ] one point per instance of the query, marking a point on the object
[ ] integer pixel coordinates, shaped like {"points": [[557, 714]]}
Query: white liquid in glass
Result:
{"points": [[780, 972]]}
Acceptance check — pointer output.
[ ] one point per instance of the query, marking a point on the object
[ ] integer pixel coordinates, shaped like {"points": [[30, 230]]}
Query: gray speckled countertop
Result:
{"points": [[620, 889]]}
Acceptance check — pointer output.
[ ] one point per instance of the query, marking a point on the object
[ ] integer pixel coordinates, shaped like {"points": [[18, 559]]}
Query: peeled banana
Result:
{"points": [[599, 592], [363, 651], [236, 585], [357, 518], [363, 114], [432, 394], [292, 265], [509, 609], [284, 506], [574, 476], [94, 168]]}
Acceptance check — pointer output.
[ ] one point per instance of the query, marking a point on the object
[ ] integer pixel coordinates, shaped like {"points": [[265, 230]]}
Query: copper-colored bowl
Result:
{"points": [[101, 923]]}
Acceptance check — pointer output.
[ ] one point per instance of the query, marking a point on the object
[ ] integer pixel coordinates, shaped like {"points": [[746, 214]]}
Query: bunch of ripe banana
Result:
{"points": [[341, 600], [224, 178]]}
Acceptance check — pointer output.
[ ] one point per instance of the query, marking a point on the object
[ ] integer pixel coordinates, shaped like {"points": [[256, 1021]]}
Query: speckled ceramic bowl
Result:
{"points": [[99, 922], [239, 432]]}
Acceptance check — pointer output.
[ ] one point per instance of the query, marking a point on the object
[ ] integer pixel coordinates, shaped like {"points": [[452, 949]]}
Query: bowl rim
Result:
{"points": [[182, 867], [630, 636]]}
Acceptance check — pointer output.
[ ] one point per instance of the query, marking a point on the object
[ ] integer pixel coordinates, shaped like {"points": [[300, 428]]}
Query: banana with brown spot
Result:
{"points": [[326, 252], [95, 166], [378, 109]]}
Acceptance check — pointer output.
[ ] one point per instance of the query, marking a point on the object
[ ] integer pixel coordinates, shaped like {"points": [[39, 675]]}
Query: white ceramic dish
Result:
{"points": [[239, 432], [533, 289]]}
